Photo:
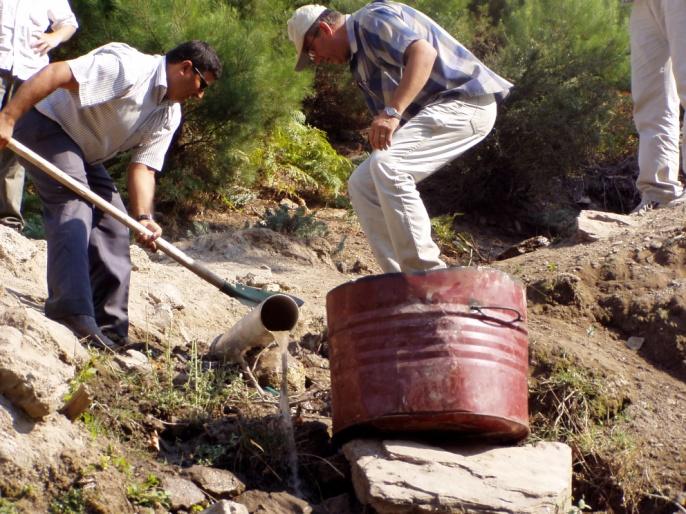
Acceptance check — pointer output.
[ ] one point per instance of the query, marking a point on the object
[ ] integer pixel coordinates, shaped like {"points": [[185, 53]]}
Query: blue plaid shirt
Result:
{"points": [[379, 34]]}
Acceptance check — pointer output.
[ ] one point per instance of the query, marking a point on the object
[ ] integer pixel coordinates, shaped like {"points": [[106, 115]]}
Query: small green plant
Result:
{"points": [[84, 375], [71, 502], [7, 507], [148, 493], [297, 223], [580, 507], [452, 243], [93, 424]]}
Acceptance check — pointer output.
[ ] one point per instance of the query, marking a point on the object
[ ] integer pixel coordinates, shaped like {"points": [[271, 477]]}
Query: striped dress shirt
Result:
{"points": [[120, 105], [379, 34]]}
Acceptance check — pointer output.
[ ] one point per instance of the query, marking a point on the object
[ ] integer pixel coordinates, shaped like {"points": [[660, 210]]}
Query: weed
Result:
{"points": [[572, 405], [7, 507], [454, 244], [93, 424], [84, 375], [148, 493], [71, 502], [299, 224]]}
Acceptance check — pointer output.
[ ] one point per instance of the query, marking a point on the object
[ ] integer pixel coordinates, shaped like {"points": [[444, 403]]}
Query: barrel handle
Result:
{"points": [[480, 309]]}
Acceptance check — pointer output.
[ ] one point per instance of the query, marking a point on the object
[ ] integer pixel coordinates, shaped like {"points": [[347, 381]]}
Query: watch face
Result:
{"points": [[391, 111]]}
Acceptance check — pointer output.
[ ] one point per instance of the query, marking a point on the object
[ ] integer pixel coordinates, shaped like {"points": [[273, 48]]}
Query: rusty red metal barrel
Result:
{"points": [[441, 351]]}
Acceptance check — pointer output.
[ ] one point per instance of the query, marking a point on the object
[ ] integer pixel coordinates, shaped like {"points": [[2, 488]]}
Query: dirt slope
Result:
{"points": [[623, 410]]}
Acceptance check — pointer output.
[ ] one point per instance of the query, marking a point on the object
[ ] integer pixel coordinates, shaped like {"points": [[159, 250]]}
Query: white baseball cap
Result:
{"points": [[303, 18]]}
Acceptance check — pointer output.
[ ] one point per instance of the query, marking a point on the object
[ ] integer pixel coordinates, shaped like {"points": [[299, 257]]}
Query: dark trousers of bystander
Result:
{"points": [[11, 171]]}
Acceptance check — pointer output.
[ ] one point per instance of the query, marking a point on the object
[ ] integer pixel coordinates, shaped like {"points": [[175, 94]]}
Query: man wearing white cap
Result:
{"points": [[431, 99]]}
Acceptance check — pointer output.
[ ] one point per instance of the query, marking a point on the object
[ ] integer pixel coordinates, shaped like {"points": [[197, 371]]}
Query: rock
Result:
{"points": [[134, 360], [226, 507], [183, 493], [260, 502], [635, 343], [262, 279], [140, 260], [268, 371], [79, 402], [526, 246], [341, 504], [31, 379], [397, 477], [29, 446], [14, 248], [44, 334], [596, 225], [289, 204], [218, 482], [167, 294]]}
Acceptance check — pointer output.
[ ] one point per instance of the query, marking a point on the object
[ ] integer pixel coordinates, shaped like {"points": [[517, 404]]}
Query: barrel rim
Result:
{"points": [[385, 276]]}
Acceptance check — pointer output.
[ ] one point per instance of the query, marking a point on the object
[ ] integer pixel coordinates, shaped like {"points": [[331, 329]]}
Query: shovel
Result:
{"points": [[246, 294]]}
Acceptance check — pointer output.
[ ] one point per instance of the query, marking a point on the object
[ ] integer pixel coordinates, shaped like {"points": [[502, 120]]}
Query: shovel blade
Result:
{"points": [[252, 295]]}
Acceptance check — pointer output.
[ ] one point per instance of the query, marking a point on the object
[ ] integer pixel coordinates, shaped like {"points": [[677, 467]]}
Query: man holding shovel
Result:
{"points": [[77, 114], [431, 99]]}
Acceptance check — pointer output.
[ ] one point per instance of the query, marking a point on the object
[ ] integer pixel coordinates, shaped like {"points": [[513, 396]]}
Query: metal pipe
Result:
{"points": [[278, 313]]}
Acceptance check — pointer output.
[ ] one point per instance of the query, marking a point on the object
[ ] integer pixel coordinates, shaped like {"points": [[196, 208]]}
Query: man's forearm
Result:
{"points": [[420, 58], [50, 78], [141, 188], [64, 32]]}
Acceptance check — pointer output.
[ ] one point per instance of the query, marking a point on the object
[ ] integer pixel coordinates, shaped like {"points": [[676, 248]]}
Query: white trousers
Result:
{"points": [[658, 85], [383, 189]]}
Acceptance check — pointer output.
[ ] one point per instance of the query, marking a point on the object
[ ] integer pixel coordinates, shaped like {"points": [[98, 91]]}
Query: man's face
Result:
{"points": [[322, 46], [187, 81]]}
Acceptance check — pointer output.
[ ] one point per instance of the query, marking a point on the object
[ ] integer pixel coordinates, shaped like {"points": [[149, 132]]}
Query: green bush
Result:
{"points": [[297, 160], [568, 109], [258, 86]]}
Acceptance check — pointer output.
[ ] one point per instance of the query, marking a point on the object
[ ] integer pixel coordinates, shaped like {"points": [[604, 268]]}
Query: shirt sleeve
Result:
{"points": [[60, 14], [387, 36], [154, 146], [101, 77]]}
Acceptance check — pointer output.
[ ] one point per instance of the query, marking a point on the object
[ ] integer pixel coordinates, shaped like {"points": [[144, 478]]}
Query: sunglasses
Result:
{"points": [[203, 81]]}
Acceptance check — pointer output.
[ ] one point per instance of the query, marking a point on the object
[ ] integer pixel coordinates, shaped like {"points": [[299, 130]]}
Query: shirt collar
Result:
{"points": [[159, 80], [352, 39]]}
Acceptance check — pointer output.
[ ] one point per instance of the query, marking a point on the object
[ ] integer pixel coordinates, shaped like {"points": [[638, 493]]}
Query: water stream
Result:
{"points": [[281, 339]]}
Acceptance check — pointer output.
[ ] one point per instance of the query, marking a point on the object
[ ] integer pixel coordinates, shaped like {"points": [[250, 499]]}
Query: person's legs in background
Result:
{"points": [[11, 170], [656, 103]]}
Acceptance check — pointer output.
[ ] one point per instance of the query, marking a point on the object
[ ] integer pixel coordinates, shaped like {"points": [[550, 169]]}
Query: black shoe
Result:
{"points": [[118, 339], [84, 327]]}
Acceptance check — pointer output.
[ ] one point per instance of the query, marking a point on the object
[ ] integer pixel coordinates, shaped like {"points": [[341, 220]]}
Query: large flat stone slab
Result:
{"points": [[397, 477]]}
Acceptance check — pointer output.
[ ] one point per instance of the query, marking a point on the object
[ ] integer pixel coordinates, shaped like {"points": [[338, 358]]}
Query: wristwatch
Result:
{"points": [[392, 112]]}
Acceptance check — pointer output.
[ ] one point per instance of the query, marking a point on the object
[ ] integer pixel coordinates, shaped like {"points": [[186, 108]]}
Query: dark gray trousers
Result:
{"points": [[11, 171], [89, 266]]}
